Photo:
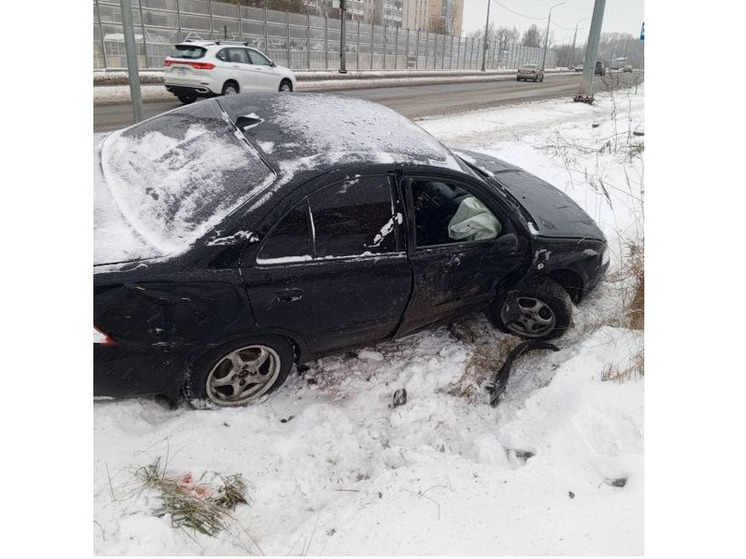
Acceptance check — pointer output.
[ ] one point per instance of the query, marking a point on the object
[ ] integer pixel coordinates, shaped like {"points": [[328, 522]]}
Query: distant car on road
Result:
{"points": [[209, 68], [578, 68], [627, 68], [530, 72], [239, 235], [600, 70]]}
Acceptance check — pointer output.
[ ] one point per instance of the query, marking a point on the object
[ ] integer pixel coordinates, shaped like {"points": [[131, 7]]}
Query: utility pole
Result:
{"points": [[486, 43], [585, 94], [574, 37], [130, 49], [343, 37], [546, 38]]}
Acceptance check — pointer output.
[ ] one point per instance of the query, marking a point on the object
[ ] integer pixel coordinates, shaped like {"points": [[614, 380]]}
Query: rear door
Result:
{"points": [[334, 270], [461, 244], [266, 75]]}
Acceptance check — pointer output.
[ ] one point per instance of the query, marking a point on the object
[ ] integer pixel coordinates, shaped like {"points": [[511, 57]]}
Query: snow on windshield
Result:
{"points": [[176, 176]]}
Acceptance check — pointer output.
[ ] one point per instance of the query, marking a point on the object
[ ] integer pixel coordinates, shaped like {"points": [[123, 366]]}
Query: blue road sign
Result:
{"points": [[642, 32]]}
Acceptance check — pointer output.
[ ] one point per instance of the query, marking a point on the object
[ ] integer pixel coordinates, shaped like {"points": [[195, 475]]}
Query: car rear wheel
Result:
{"points": [[240, 373], [230, 88], [535, 309], [186, 99], [518, 79], [286, 85]]}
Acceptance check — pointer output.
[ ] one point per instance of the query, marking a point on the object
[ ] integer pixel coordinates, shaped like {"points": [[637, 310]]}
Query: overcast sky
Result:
{"points": [[624, 16]]}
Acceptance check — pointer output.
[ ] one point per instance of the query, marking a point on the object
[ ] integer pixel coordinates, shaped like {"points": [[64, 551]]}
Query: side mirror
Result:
{"points": [[272, 63], [509, 241]]}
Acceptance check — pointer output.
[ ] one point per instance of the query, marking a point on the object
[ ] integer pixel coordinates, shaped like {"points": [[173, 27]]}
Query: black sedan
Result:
{"points": [[242, 234]]}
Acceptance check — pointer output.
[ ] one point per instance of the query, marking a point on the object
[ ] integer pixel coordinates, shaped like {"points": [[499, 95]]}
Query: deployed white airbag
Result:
{"points": [[473, 221]]}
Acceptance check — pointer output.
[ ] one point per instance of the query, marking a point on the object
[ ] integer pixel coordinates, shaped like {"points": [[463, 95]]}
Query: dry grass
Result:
{"points": [[490, 351], [192, 505], [635, 370], [635, 265]]}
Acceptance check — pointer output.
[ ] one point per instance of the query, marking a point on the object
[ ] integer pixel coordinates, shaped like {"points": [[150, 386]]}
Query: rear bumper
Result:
{"points": [[190, 91], [125, 370]]}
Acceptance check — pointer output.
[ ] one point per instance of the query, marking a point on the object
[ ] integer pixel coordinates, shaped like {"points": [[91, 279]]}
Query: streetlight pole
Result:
{"points": [[574, 37], [546, 38], [130, 49], [486, 44], [585, 94], [342, 37]]}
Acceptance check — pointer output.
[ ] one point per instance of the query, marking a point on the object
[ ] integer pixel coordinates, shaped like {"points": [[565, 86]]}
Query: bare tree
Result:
{"points": [[532, 37]]}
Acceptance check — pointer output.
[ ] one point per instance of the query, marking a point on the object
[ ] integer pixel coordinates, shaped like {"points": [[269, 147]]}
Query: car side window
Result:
{"points": [[445, 213], [235, 55], [223, 55], [258, 59], [291, 238], [355, 217]]}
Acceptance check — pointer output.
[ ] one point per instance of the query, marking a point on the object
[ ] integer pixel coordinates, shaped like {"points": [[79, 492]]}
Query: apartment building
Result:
{"points": [[440, 16]]}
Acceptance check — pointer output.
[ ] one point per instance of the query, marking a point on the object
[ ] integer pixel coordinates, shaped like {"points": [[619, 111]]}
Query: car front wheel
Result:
{"points": [[286, 85], [240, 373], [537, 309]]}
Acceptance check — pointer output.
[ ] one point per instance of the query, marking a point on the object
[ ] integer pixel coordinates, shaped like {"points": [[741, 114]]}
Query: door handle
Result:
{"points": [[289, 295]]}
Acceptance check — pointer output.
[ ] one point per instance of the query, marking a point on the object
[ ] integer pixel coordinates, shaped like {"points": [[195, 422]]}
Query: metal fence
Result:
{"points": [[298, 41]]}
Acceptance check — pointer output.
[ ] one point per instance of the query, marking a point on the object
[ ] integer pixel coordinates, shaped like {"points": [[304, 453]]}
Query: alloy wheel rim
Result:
{"points": [[536, 318], [243, 375]]}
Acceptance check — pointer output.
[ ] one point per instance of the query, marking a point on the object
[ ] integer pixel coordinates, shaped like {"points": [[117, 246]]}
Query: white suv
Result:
{"points": [[208, 68]]}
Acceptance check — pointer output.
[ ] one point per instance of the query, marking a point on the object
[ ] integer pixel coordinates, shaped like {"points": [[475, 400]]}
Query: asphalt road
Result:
{"points": [[411, 101]]}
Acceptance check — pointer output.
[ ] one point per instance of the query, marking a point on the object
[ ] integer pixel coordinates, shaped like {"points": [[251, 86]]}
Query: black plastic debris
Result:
{"points": [[500, 381], [617, 482], [571, 494], [400, 397]]}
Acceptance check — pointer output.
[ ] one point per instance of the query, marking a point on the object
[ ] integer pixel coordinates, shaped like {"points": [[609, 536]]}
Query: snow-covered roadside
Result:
{"points": [[337, 470]]}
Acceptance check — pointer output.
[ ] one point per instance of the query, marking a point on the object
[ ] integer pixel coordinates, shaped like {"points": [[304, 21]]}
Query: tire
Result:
{"points": [[542, 310], [286, 85], [240, 373], [518, 79], [541, 79], [230, 88], [187, 99]]}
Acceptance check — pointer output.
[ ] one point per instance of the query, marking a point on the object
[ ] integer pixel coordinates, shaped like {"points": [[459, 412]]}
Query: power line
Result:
{"points": [[516, 13]]}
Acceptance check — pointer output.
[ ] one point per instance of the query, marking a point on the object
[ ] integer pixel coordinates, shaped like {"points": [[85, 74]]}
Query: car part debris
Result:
{"points": [[400, 397], [500, 381]]}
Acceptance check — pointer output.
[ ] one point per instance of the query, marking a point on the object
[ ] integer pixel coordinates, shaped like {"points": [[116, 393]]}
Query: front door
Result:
{"points": [[463, 245], [334, 270]]}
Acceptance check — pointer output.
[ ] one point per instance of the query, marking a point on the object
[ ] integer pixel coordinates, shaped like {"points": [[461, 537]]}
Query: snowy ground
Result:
{"points": [[335, 469]]}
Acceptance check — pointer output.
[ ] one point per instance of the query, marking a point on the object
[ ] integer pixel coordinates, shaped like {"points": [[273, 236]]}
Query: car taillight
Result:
{"points": [[100, 337], [196, 65]]}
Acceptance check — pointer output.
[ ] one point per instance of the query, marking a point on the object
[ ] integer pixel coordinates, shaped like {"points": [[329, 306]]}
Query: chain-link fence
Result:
{"points": [[298, 41]]}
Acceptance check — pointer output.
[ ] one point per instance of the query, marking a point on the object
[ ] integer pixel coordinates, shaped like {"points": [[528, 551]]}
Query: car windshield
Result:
{"points": [[176, 176]]}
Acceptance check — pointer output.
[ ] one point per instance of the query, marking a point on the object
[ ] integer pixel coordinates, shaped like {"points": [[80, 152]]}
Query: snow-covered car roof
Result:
{"points": [[308, 131]]}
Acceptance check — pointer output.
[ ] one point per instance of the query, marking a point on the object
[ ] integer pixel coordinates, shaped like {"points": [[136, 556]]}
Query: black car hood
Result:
{"points": [[553, 213]]}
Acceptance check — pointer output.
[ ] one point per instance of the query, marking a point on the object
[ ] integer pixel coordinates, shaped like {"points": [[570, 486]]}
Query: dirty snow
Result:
{"points": [[335, 469]]}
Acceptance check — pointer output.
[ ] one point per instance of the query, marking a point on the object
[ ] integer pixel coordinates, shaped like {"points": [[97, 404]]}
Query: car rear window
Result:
{"points": [[178, 175], [192, 52]]}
